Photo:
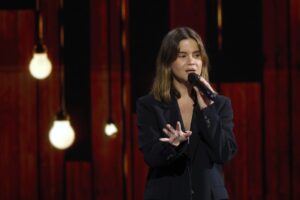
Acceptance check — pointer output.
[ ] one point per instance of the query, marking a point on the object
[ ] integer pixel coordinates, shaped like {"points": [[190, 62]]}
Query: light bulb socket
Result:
{"points": [[62, 115], [40, 47], [109, 120]]}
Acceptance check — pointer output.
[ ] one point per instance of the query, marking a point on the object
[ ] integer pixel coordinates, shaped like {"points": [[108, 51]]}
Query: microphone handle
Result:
{"points": [[206, 91]]}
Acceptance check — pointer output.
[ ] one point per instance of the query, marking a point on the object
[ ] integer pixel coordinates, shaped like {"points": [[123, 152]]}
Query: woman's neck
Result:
{"points": [[183, 89]]}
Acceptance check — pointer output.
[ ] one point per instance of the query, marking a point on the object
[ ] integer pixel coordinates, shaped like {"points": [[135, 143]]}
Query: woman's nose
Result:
{"points": [[191, 59]]}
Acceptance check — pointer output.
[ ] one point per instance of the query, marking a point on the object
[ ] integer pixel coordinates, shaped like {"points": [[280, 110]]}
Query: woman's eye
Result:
{"points": [[197, 55], [181, 55]]}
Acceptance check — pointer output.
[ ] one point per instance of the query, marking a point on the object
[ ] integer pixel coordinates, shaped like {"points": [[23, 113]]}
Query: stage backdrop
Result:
{"points": [[254, 50]]}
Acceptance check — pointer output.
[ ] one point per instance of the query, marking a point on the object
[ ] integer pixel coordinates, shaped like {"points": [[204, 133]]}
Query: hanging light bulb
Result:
{"points": [[110, 128], [62, 134], [40, 66]]}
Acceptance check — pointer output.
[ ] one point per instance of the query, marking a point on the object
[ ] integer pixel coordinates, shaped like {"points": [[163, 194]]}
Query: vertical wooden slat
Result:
{"points": [[128, 167], [243, 175], [8, 40], [276, 134], [51, 165], [295, 95], [276, 99], [140, 167], [106, 151], [295, 133], [254, 135], [34, 168], [28, 141], [9, 165], [8, 98], [78, 180], [188, 13], [18, 101]]}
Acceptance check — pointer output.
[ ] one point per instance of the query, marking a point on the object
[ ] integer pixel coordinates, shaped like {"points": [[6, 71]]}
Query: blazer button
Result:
{"points": [[170, 157], [208, 123]]}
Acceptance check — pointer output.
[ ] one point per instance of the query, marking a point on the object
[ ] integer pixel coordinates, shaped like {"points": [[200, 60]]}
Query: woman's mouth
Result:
{"points": [[190, 71]]}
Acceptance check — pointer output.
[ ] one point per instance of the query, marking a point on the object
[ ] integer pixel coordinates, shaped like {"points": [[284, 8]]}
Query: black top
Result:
{"points": [[193, 170]]}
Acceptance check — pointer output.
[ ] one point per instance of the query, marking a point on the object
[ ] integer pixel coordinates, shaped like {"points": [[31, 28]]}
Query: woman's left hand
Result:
{"points": [[203, 101]]}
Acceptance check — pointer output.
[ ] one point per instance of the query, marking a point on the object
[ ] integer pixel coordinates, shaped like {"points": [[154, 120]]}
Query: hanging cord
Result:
{"points": [[61, 59], [123, 95], [39, 48], [109, 89]]}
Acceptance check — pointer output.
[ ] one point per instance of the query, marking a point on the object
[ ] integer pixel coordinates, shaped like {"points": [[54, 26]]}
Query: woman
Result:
{"points": [[184, 136]]}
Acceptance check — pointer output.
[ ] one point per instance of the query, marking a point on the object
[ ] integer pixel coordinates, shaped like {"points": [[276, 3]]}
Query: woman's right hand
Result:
{"points": [[175, 136]]}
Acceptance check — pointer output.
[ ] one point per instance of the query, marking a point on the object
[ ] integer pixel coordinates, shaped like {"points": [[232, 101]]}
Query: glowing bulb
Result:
{"points": [[40, 66], [110, 129], [62, 134]]}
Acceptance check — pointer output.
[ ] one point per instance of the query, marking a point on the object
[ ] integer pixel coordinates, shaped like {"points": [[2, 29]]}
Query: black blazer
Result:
{"points": [[193, 170]]}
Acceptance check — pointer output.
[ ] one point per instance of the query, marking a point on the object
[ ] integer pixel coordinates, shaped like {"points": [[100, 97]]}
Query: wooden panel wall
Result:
{"points": [[30, 168], [78, 180], [281, 112], [111, 156], [244, 174], [190, 13], [106, 151], [140, 167], [294, 42]]}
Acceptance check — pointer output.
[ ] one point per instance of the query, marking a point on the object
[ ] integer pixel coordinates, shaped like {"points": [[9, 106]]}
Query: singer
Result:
{"points": [[185, 137]]}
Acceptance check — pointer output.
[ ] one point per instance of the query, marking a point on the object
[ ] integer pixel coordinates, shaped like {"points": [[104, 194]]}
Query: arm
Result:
{"points": [[156, 153], [216, 124]]}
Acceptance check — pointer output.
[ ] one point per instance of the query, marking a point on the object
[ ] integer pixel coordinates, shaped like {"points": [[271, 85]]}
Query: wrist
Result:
{"points": [[176, 144]]}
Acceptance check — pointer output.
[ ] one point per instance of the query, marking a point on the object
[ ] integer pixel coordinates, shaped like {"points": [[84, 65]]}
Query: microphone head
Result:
{"points": [[193, 78]]}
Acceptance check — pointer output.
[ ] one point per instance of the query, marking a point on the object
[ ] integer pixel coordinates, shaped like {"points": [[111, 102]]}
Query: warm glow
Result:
{"points": [[220, 23], [110, 129], [62, 134], [40, 66]]}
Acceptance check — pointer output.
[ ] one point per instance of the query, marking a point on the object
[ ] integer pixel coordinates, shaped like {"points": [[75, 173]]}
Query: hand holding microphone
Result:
{"points": [[207, 91]]}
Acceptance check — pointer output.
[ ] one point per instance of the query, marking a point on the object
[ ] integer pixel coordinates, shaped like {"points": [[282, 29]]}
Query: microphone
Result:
{"points": [[194, 79]]}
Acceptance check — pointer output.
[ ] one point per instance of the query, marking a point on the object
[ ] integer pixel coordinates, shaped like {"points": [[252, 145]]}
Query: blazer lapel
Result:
{"points": [[195, 138], [168, 113]]}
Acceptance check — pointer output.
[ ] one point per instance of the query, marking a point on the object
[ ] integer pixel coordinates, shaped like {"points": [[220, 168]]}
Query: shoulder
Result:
{"points": [[222, 99], [146, 100], [146, 108], [222, 102], [149, 102]]}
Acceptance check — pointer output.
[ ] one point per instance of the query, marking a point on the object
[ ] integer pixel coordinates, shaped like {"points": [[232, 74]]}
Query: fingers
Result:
{"points": [[203, 101], [178, 126], [207, 84], [170, 131], [199, 95], [164, 139], [187, 133], [175, 136]]}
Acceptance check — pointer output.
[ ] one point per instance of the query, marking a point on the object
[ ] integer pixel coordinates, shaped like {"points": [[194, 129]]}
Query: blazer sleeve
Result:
{"points": [[216, 124], [155, 152]]}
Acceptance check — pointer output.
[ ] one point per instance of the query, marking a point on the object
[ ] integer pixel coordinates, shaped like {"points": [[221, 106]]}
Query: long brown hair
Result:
{"points": [[162, 85]]}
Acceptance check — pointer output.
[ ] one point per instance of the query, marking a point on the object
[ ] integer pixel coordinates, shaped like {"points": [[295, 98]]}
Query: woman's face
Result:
{"points": [[188, 60]]}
